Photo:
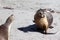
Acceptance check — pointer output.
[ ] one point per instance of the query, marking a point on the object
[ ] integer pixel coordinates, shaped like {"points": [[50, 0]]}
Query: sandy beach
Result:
{"points": [[22, 27]]}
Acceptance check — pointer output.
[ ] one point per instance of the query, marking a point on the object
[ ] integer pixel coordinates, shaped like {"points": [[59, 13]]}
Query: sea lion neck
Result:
{"points": [[7, 24], [5, 28]]}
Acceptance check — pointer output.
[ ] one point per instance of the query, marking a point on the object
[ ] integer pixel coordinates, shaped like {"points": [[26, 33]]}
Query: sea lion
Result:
{"points": [[4, 28], [43, 19]]}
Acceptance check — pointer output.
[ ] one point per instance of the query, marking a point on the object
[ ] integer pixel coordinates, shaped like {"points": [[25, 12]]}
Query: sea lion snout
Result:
{"points": [[12, 17], [41, 15]]}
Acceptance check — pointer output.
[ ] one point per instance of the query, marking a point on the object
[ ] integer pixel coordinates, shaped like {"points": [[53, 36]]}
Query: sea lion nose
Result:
{"points": [[42, 16]]}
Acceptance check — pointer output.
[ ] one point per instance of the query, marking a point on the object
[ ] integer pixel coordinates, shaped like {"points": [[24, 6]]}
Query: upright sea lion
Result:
{"points": [[43, 19], [4, 28]]}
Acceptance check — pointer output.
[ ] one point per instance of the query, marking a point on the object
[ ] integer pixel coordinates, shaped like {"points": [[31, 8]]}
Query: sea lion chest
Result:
{"points": [[41, 22]]}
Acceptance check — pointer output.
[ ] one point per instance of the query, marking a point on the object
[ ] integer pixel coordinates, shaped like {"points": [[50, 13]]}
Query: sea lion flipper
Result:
{"points": [[51, 27]]}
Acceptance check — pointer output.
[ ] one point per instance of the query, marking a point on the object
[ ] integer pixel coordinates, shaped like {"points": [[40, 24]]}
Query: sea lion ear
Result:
{"points": [[12, 15]]}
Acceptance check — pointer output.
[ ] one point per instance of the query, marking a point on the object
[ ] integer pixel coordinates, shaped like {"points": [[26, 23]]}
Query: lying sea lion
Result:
{"points": [[4, 28], [43, 19]]}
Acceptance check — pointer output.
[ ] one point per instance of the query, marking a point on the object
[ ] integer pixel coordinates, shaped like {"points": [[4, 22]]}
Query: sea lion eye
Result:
{"points": [[39, 13]]}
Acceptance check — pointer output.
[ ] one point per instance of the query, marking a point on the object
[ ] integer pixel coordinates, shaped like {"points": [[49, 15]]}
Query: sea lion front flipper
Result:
{"points": [[51, 27]]}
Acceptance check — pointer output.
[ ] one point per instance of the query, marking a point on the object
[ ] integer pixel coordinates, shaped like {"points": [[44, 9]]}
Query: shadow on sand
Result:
{"points": [[32, 28]]}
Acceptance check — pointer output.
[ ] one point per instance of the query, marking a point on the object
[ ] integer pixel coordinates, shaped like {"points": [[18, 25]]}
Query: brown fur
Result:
{"points": [[43, 22], [4, 28]]}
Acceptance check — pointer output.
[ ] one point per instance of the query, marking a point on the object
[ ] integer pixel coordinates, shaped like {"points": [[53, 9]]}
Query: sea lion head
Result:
{"points": [[41, 13]]}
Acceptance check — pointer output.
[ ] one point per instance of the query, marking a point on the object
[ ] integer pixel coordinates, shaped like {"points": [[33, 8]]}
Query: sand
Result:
{"points": [[22, 27]]}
